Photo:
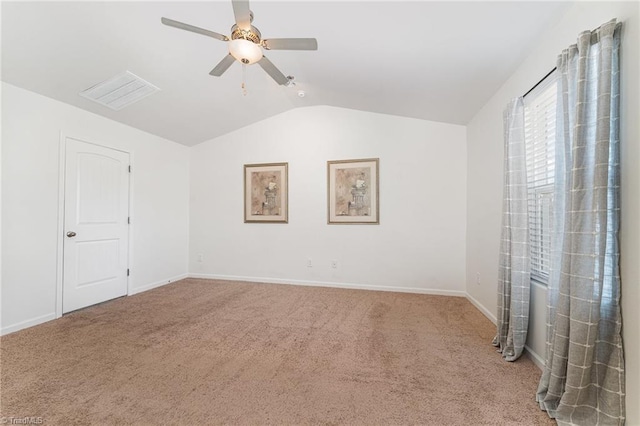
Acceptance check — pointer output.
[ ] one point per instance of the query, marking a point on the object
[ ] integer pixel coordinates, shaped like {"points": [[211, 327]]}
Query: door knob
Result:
{"points": [[71, 234]]}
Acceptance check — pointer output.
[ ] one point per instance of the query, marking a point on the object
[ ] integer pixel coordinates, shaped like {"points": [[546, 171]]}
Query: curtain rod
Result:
{"points": [[618, 26], [541, 80]]}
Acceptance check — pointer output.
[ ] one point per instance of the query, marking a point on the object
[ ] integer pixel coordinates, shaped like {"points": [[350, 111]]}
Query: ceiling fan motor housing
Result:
{"points": [[252, 35]]}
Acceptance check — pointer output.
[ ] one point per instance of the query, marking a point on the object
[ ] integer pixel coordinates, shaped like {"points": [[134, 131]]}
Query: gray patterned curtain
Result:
{"points": [[514, 268], [583, 379]]}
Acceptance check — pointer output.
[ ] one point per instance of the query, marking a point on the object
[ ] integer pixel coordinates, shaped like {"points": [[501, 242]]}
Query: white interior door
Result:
{"points": [[96, 217]]}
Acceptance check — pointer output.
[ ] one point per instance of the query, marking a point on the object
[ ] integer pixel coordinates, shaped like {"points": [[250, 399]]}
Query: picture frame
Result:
{"points": [[266, 193], [353, 194]]}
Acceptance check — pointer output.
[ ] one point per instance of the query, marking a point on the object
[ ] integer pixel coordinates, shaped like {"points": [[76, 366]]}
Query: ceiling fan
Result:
{"points": [[246, 42]]}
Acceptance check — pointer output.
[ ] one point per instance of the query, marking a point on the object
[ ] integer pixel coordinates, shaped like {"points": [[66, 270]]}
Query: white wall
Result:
{"points": [[31, 126], [484, 179], [419, 244]]}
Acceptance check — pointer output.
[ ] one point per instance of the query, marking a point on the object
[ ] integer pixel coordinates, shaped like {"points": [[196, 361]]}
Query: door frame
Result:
{"points": [[62, 160]]}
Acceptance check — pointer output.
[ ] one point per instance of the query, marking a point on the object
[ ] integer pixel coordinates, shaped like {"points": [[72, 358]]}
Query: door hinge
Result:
{"points": [[129, 169], [129, 220], [127, 272]]}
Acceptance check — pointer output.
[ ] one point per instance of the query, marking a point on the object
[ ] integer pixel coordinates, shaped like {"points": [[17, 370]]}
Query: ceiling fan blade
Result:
{"points": [[274, 72], [242, 13], [183, 26], [223, 65], [290, 44]]}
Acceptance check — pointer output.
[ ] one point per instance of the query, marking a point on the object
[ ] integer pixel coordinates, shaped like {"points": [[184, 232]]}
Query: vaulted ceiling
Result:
{"points": [[437, 61]]}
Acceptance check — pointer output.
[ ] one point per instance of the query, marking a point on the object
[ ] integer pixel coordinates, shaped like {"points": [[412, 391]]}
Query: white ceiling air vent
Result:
{"points": [[120, 91]]}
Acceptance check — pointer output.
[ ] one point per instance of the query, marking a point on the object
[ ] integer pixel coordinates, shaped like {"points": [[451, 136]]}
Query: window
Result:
{"points": [[540, 139]]}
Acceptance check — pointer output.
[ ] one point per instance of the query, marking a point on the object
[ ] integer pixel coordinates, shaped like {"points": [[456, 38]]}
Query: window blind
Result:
{"points": [[540, 139]]}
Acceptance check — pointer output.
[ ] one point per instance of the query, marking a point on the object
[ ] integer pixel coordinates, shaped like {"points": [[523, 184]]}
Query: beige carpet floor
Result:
{"points": [[213, 352]]}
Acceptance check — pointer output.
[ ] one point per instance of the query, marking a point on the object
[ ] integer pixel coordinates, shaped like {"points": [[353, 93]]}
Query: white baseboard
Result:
{"points": [[533, 356], [157, 284], [435, 292], [482, 309], [28, 323], [44, 318]]}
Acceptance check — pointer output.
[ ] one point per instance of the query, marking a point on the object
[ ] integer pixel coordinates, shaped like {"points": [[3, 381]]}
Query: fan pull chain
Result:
{"points": [[244, 75]]}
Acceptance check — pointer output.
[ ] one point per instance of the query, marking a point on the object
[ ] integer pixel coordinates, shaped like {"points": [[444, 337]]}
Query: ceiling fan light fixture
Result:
{"points": [[245, 51]]}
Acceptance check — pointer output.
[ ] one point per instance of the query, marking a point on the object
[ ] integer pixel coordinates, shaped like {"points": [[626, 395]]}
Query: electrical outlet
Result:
{"points": [[478, 278], [309, 262], [334, 264], [200, 257]]}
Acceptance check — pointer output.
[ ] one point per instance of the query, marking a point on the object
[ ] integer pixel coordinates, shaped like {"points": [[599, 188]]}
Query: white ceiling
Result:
{"points": [[437, 61]]}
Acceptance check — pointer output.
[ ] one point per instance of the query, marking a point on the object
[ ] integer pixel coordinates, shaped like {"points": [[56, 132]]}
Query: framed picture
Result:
{"points": [[352, 191], [266, 188]]}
